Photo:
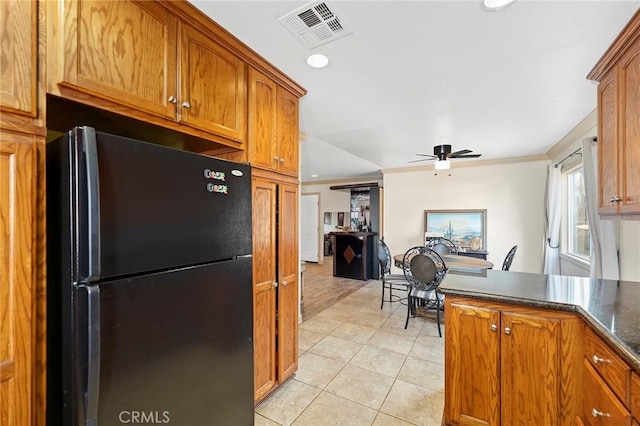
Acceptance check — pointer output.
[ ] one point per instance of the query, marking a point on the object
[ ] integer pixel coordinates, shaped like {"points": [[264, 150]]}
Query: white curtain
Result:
{"points": [[604, 233], [554, 216]]}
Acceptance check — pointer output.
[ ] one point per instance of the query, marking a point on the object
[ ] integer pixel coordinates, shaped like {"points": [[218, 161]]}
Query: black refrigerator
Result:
{"points": [[149, 293]]}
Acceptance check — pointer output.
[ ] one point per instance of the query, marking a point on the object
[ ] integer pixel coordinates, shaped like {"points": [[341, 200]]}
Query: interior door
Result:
{"points": [[309, 240]]}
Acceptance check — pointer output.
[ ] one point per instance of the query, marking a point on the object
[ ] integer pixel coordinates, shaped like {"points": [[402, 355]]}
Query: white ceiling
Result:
{"points": [[414, 74]]}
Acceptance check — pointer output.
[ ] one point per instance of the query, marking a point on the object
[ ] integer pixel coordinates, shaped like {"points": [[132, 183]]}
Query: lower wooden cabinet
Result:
{"points": [[17, 279], [275, 278], [600, 405], [509, 364]]}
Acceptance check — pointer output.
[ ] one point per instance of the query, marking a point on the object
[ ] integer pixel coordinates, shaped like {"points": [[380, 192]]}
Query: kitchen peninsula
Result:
{"points": [[355, 255], [525, 347]]}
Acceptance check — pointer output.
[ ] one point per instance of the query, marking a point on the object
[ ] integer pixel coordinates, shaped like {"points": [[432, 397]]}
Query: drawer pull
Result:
{"points": [[599, 360], [596, 413]]}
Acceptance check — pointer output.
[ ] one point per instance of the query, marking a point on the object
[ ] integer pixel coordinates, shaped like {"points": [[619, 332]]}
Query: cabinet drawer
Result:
{"points": [[635, 396], [601, 407], [615, 372]]}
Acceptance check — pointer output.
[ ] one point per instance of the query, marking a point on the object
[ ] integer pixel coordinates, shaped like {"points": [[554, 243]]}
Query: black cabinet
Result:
{"points": [[355, 255]]}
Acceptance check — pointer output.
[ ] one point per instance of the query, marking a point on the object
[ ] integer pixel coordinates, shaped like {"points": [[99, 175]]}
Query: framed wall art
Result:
{"points": [[466, 228]]}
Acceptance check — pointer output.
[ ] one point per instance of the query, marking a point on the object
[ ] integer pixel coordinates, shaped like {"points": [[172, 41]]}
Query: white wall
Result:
{"points": [[512, 194]]}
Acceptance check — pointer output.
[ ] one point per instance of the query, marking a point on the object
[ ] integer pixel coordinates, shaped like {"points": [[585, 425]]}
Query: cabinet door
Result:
{"points": [[472, 363], [262, 121], [630, 130], [530, 369], [608, 143], [288, 265], [212, 86], [122, 51], [17, 291], [288, 133], [18, 73], [264, 290]]}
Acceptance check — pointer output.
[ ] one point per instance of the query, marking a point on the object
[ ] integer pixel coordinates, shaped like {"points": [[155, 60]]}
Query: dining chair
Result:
{"points": [[390, 281], [424, 269], [442, 246], [509, 258]]}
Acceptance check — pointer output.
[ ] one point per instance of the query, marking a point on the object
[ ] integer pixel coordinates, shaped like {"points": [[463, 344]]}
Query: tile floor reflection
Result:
{"points": [[359, 366]]}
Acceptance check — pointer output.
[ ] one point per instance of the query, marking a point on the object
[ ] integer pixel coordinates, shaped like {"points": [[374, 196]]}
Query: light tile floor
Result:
{"points": [[359, 366]]}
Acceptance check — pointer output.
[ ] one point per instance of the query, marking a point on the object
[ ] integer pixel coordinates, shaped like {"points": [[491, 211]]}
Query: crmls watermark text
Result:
{"points": [[144, 417]]}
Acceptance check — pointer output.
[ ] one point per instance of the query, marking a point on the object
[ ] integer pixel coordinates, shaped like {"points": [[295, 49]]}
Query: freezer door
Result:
{"points": [[174, 348], [139, 207]]}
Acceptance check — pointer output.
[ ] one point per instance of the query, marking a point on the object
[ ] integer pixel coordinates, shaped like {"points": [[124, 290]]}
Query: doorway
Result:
{"points": [[309, 223]]}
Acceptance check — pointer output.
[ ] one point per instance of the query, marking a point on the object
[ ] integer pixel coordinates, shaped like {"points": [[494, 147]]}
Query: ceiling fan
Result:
{"points": [[442, 153]]}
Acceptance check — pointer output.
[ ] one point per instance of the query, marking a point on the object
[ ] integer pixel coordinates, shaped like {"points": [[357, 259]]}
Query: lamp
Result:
{"points": [[443, 164]]}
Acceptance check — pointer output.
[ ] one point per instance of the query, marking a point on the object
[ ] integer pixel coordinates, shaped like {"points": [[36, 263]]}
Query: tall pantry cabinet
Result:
{"points": [[273, 152], [22, 138]]}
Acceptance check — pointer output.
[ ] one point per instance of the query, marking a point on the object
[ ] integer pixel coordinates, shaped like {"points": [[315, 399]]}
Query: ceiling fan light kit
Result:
{"points": [[442, 164]]}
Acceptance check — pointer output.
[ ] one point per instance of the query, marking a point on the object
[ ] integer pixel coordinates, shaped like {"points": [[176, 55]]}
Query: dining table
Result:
{"points": [[454, 261]]}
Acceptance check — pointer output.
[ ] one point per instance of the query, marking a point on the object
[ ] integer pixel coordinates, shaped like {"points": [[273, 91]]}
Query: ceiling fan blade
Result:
{"points": [[458, 153], [466, 156], [422, 159], [427, 155]]}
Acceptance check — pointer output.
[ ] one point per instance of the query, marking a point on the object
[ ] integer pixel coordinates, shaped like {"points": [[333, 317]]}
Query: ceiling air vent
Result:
{"points": [[314, 24]]}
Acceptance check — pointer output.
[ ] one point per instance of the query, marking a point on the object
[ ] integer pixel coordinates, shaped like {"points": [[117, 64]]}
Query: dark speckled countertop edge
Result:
{"points": [[626, 353]]}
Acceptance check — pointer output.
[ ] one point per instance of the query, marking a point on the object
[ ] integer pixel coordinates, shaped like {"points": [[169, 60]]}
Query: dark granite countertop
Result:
{"points": [[611, 308]]}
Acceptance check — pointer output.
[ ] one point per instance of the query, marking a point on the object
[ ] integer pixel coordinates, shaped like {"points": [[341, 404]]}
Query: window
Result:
{"points": [[578, 241]]}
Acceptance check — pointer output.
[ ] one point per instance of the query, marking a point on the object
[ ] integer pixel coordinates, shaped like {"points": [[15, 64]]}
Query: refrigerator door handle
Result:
{"points": [[90, 148], [92, 385]]}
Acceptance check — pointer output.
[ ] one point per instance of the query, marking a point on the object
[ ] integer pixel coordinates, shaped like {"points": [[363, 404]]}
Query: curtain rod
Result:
{"points": [[577, 151]]}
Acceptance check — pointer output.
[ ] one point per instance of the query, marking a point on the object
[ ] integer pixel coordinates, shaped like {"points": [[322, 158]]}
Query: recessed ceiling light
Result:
{"points": [[317, 60], [493, 5], [314, 176]]}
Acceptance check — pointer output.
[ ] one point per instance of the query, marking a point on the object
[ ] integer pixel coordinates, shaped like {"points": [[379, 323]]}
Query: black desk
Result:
{"points": [[478, 254], [355, 255]]}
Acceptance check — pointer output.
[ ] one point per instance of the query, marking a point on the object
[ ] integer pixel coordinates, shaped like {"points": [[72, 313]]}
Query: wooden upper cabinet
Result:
{"points": [[212, 85], [288, 133], [17, 280], [18, 72], [123, 51], [607, 142], [630, 130], [148, 63], [618, 74], [262, 120], [273, 126]]}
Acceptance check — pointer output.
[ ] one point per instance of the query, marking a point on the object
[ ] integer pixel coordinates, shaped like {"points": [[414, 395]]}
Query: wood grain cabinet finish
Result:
{"points": [[17, 280], [18, 73], [635, 396], [150, 64], [510, 365], [275, 277], [618, 74], [613, 370], [601, 406], [273, 126]]}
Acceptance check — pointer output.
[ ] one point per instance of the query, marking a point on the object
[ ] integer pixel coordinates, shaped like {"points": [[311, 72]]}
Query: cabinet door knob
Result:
{"points": [[596, 413], [275, 284], [494, 327], [186, 104], [616, 199], [275, 158], [281, 160], [507, 330], [172, 99], [599, 360], [284, 283]]}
